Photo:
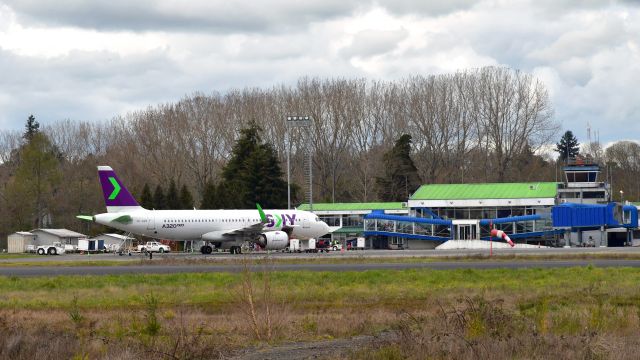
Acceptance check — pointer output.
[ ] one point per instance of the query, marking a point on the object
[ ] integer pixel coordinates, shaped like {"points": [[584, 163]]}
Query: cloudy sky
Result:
{"points": [[92, 60]]}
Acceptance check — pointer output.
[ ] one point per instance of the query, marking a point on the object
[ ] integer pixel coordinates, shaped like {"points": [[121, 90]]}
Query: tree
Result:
{"points": [[568, 146], [186, 200], [400, 175], [623, 160], [209, 196], [35, 183], [159, 200], [513, 111], [172, 198], [146, 199], [31, 128], [252, 175]]}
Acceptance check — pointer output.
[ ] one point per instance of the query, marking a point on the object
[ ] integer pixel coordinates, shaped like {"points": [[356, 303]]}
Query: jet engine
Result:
{"points": [[274, 240]]}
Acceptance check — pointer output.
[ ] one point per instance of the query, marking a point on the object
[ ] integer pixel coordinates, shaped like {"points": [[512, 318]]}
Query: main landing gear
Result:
{"points": [[206, 250]]}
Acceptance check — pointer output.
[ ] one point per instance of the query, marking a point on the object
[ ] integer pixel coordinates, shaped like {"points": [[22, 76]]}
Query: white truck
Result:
{"points": [[154, 246], [54, 249]]}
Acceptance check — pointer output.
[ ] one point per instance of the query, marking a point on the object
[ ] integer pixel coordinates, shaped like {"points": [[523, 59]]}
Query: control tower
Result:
{"points": [[582, 183]]}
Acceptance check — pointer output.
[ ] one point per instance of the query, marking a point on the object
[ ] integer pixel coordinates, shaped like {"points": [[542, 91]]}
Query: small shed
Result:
{"points": [[18, 241], [67, 238], [112, 242]]}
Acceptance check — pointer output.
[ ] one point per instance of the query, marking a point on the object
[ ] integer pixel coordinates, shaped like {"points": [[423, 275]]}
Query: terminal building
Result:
{"points": [[436, 213]]}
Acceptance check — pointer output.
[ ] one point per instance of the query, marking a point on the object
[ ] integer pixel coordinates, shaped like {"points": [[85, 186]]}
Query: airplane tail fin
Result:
{"points": [[116, 196]]}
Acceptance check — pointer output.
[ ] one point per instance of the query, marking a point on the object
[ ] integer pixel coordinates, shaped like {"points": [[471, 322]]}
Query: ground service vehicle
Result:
{"points": [[323, 245], [294, 245], [154, 246], [355, 244], [335, 245], [54, 249], [311, 246]]}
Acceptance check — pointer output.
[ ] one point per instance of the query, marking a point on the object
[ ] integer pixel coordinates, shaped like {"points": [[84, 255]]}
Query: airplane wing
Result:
{"points": [[250, 232]]}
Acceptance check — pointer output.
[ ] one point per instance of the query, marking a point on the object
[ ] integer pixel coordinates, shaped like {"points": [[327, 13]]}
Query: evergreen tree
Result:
{"points": [[401, 177], [172, 198], [186, 200], [252, 175], [209, 196], [568, 146], [36, 179], [159, 200], [146, 199], [31, 128]]}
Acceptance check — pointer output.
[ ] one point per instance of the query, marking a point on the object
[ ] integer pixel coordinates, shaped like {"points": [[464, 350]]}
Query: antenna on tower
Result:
{"points": [[589, 132]]}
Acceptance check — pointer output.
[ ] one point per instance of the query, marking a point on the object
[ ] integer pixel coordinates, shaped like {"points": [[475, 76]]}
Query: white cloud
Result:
{"points": [[92, 60], [196, 15]]}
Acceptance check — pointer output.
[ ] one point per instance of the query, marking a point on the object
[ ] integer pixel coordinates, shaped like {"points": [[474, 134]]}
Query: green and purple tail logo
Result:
{"points": [[114, 193], [276, 220]]}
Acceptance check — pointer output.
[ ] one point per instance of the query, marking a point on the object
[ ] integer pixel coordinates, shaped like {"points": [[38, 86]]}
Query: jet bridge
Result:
{"points": [[609, 224]]}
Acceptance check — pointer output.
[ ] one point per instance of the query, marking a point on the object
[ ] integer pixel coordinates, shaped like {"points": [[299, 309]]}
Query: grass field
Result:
{"points": [[528, 313], [15, 256], [350, 289], [87, 260]]}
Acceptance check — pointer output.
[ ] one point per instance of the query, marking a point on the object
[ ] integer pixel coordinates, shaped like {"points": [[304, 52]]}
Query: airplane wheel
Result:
{"points": [[208, 250]]}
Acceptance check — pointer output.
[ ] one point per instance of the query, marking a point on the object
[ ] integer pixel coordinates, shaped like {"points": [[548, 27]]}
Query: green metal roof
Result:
{"points": [[353, 206], [486, 191], [350, 230]]}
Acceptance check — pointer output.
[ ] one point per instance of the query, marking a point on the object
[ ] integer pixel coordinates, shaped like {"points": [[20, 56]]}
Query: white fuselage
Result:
{"points": [[184, 225]]}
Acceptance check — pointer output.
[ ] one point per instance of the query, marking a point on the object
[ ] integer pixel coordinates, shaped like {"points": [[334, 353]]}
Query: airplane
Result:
{"points": [[226, 229]]}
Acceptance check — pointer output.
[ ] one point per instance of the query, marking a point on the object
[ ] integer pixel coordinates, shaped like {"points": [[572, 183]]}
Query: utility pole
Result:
{"points": [[305, 123]]}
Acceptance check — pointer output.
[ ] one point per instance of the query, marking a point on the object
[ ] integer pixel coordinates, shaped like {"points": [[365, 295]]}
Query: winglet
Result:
{"points": [[263, 217], [124, 219], [85, 217]]}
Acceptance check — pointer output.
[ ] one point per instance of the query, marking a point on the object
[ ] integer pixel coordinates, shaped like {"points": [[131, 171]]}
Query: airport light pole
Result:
{"points": [[305, 123]]}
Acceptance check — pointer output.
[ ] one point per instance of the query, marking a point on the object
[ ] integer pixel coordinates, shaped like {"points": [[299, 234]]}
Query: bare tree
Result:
{"points": [[514, 112], [623, 157], [442, 130], [9, 142]]}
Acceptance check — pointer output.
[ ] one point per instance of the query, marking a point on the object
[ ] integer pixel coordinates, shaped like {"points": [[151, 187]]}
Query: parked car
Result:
{"points": [[154, 246]]}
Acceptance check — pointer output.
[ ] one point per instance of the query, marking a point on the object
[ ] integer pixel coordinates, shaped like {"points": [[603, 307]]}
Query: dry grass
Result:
{"points": [[178, 333], [479, 328], [530, 313]]}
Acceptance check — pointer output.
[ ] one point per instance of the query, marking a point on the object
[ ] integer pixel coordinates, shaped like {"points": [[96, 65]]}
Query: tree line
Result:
{"points": [[478, 125]]}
